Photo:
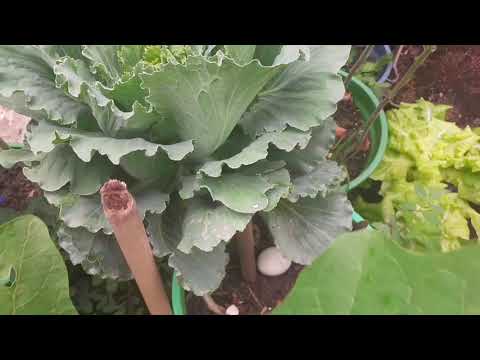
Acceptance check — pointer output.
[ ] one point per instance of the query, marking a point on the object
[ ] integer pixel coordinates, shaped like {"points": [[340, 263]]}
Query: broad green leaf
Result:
{"points": [[203, 224], [87, 211], [305, 229], [18, 102], [148, 124], [206, 99], [302, 96], [200, 271], [129, 57], [241, 193], [304, 161], [61, 166], [85, 144], [99, 254], [242, 54], [257, 150], [29, 70], [58, 51], [281, 54], [327, 176], [280, 179], [8, 158], [75, 78], [365, 272], [80, 211], [142, 167], [126, 93], [39, 283], [103, 61]]}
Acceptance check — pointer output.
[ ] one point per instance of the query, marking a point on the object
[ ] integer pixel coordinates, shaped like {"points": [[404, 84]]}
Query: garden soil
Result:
{"points": [[451, 75], [259, 299], [251, 299], [16, 191], [349, 118]]}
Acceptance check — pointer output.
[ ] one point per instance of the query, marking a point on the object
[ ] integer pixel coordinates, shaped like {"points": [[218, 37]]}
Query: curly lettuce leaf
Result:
{"points": [[427, 152]]}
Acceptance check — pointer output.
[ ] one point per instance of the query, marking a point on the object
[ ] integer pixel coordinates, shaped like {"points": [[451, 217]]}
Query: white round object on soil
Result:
{"points": [[271, 262], [232, 310]]}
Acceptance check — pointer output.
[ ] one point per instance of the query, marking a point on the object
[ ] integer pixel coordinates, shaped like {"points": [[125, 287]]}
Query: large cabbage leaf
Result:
{"points": [[205, 136]]}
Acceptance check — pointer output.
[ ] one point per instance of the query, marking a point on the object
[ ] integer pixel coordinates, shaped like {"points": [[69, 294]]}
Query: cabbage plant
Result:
{"points": [[205, 136]]}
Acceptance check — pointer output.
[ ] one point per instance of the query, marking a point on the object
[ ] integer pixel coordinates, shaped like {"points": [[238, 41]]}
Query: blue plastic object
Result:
{"points": [[378, 52]]}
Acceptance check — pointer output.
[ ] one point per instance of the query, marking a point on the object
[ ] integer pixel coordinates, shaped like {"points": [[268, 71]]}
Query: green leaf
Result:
{"points": [[302, 96], [129, 56], [326, 177], [281, 54], [40, 279], [304, 161], [58, 51], [148, 124], [75, 78], [204, 224], [206, 99], [242, 54], [103, 61], [29, 69], [365, 272], [85, 144], [99, 254], [146, 168], [257, 150], [61, 166], [200, 272], [280, 179], [305, 229], [87, 211], [241, 193], [126, 93], [8, 158]]}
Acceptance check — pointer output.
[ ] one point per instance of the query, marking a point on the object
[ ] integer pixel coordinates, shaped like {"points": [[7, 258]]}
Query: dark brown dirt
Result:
{"points": [[257, 299], [16, 191], [349, 118], [359, 226], [451, 75]]}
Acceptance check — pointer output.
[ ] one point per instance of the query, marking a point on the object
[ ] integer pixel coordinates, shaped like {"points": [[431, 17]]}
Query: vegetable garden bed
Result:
{"points": [[232, 169]]}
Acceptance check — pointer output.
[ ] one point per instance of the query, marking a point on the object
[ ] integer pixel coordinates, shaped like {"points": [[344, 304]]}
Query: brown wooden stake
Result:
{"points": [[121, 211], [246, 250]]}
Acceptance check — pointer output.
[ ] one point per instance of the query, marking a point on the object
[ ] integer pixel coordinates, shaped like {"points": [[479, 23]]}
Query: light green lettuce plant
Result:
{"points": [[205, 136], [424, 155]]}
